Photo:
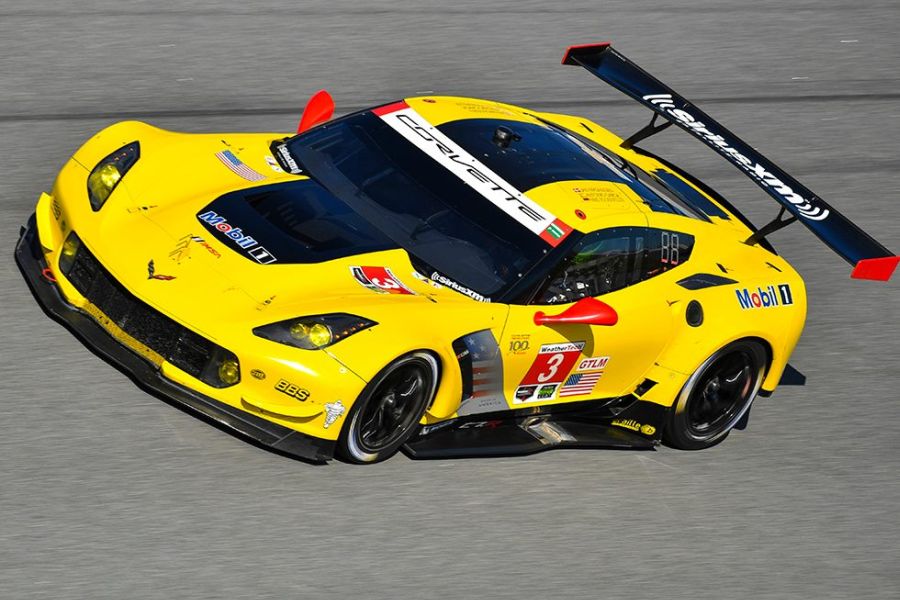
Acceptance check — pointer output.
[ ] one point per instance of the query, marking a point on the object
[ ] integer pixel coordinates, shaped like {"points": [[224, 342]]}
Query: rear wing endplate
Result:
{"points": [[871, 260]]}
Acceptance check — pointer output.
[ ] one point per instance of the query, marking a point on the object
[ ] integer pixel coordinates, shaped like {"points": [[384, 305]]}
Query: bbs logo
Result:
{"points": [[294, 391], [517, 346]]}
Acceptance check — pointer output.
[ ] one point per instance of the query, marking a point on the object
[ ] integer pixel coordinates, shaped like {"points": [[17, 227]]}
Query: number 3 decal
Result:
{"points": [[553, 363], [552, 367]]}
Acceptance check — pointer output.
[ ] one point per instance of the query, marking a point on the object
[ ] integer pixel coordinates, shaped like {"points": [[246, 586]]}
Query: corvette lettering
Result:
{"points": [[764, 298], [412, 126], [666, 104]]}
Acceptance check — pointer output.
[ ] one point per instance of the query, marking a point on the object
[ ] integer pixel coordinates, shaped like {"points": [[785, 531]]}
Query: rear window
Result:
{"points": [[542, 154]]}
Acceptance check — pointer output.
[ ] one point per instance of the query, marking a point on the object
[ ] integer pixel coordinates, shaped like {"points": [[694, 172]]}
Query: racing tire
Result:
{"points": [[716, 397], [389, 409]]}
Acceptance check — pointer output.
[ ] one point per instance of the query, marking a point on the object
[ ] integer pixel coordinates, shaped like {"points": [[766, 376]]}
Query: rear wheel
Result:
{"points": [[387, 412], [716, 396]]}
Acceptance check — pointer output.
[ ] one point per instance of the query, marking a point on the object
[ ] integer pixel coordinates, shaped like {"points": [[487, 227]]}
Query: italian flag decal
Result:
{"points": [[555, 232], [411, 125]]}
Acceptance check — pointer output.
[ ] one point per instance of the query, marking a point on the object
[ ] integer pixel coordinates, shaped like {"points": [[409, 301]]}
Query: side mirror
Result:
{"points": [[587, 311], [318, 110]]}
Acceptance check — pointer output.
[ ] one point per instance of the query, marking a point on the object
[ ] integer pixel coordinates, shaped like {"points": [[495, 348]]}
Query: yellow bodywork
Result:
{"points": [[152, 215]]}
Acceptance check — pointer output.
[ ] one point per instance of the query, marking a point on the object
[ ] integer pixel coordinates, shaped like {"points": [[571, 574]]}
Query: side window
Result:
{"points": [[666, 250], [611, 259]]}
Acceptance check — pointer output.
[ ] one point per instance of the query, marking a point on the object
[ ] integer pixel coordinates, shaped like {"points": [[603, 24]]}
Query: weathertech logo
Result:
{"points": [[764, 298], [665, 104]]}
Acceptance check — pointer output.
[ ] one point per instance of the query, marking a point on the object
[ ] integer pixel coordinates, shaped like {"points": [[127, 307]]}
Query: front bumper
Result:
{"points": [[287, 441]]}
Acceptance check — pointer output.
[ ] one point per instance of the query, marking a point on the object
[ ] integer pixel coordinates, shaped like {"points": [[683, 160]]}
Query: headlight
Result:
{"points": [[222, 369], [312, 333], [68, 253], [109, 172]]}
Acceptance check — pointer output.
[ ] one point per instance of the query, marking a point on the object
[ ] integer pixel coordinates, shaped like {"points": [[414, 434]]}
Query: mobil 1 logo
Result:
{"points": [[765, 297]]}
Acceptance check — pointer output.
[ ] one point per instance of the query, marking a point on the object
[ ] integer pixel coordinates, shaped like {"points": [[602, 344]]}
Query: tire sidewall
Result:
{"points": [[349, 446], [678, 434]]}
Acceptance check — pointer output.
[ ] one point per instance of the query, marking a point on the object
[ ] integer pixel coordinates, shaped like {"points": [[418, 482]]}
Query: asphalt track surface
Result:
{"points": [[107, 492]]}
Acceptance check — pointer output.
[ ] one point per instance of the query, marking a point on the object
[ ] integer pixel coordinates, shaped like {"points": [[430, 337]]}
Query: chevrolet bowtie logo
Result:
{"points": [[151, 273]]}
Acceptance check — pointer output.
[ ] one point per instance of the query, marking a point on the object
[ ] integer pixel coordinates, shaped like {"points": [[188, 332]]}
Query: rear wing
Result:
{"points": [[870, 259]]}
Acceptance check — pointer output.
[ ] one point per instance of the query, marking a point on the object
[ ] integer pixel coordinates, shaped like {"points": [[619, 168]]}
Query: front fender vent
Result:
{"points": [[699, 281]]}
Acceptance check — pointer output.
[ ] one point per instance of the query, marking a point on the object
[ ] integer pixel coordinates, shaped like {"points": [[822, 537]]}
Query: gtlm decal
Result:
{"points": [[666, 104]]}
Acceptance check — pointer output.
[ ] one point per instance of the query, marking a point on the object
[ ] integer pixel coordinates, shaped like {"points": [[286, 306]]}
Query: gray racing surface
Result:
{"points": [[107, 492]]}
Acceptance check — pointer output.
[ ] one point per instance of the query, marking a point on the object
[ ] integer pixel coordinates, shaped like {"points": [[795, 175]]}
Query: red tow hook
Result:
{"points": [[48, 275]]}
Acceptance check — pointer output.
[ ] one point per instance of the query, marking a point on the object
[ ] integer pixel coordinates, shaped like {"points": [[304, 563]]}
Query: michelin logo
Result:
{"points": [[764, 298]]}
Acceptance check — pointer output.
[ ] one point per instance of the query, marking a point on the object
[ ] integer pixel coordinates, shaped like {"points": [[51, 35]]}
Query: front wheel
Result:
{"points": [[716, 396], [386, 413]]}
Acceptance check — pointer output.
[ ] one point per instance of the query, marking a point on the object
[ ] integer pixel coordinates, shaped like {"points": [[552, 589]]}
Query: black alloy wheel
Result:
{"points": [[716, 396], [388, 411]]}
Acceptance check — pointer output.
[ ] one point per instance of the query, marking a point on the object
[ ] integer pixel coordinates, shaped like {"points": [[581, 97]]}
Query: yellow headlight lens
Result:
{"points": [[68, 252], [70, 246], [320, 335], [103, 180], [229, 372], [299, 331]]}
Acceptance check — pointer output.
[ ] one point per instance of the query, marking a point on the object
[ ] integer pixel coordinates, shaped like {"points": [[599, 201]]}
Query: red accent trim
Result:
{"points": [[318, 110], [583, 49], [587, 311], [48, 275], [879, 269], [389, 108]]}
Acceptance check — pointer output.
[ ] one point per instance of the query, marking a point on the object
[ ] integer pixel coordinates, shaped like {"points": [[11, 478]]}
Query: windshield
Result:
{"points": [[445, 225]]}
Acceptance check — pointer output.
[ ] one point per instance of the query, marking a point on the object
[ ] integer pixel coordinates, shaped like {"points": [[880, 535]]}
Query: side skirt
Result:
{"points": [[621, 423]]}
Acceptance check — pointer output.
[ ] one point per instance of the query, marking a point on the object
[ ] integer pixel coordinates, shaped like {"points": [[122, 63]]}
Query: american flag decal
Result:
{"points": [[239, 168], [580, 384], [487, 373]]}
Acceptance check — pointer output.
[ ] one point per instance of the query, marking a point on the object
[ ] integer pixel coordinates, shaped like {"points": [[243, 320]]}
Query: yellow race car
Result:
{"points": [[449, 276]]}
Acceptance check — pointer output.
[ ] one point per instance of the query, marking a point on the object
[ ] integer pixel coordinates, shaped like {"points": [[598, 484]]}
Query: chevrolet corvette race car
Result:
{"points": [[442, 275]]}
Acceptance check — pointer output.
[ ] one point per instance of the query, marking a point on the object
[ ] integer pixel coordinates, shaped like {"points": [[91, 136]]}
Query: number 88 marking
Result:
{"points": [[669, 243]]}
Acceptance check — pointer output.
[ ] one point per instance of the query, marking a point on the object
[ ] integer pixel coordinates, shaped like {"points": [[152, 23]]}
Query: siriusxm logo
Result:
{"points": [[257, 252], [807, 208], [764, 298]]}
